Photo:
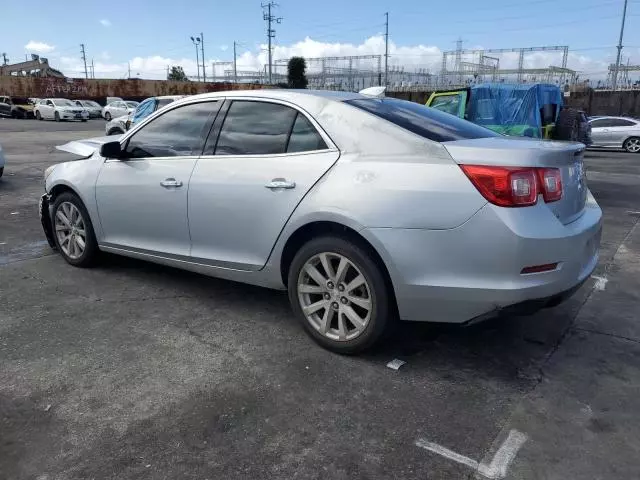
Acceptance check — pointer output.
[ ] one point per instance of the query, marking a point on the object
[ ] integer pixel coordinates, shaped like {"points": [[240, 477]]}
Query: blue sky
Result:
{"points": [[152, 33]]}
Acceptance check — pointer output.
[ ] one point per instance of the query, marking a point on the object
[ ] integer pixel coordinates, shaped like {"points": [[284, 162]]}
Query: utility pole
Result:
{"points": [[235, 64], [84, 59], [5, 59], [204, 74], [129, 70], [386, 49], [614, 82], [93, 70], [196, 42], [271, 33]]}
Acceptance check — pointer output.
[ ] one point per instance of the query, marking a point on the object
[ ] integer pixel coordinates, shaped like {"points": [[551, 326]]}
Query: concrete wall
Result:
{"points": [[98, 90], [594, 102]]}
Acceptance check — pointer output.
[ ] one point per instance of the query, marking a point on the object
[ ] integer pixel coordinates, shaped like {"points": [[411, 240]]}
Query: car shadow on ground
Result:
{"points": [[508, 347]]}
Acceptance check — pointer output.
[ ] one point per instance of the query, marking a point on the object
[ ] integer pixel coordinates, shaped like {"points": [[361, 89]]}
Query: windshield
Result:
{"points": [[20, 101], [132, 104], [424, 121], [89, 103], [63, 102]]}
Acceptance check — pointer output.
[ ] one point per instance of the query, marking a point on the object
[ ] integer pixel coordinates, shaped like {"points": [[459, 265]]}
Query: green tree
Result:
{"points": [[177, 74], [296, 72]]}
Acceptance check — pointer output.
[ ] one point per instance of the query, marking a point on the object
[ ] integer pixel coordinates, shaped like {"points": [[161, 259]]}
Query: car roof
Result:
{"points": [[601, 117], [282, 94]]}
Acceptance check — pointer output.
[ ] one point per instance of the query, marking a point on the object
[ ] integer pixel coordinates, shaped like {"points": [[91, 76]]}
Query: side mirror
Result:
{"points": [[111, 150]]}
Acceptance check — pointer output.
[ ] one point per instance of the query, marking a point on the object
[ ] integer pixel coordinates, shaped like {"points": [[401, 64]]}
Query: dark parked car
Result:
{"points": [[16, 107]]}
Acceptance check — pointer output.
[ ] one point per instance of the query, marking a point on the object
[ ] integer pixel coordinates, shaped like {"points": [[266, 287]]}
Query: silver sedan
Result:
{"points": [[616, 132], [366, 210]]}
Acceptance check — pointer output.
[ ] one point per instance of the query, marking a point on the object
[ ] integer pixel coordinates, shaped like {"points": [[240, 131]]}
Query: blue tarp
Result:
{"points": [[512, 106]]}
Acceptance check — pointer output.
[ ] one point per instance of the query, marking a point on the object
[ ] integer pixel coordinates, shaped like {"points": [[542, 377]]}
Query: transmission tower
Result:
{"points": [[84, 59], [271, 33]]}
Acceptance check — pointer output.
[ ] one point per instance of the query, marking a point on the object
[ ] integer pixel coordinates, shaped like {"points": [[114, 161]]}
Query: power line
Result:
{"points": [[271, 33]]}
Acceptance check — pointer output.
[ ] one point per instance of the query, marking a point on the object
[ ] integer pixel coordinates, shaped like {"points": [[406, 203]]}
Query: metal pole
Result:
{"points": [[84, 59], [386, 49], [204, 74], [197, 60], [269, 36], [235, 64], [614, 82]]}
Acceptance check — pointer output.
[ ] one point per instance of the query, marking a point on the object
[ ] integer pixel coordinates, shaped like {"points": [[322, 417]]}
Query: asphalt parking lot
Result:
{"points": [[137, 371]]}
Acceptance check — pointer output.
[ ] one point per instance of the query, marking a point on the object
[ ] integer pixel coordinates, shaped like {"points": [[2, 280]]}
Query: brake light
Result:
{"points": [[515, 186], [551, 182]]}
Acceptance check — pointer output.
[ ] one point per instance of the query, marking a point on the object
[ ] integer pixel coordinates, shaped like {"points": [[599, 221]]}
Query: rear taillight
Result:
{"points": [[515, 186], [551, 182]]}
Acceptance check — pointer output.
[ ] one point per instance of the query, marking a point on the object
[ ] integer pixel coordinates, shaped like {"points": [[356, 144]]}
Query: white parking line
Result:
{"points": [[499, 465]]}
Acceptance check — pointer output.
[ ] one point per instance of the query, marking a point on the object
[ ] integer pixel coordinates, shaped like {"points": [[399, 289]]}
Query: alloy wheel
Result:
{"points": [[70, 230], [633, 145], [335, 296]]}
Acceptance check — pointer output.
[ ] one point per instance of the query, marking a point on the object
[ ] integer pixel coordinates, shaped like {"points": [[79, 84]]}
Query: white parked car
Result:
{"points": [[118, 109], [59, 109], [94, 108]]}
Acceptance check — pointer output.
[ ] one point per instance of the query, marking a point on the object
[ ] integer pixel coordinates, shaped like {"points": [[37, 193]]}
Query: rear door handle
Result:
{"points": [[171, 182], [277, 183]]}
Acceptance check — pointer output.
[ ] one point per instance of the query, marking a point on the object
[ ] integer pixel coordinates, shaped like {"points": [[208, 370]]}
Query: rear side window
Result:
{"points": [[304, 137], [424, 121], [620, 122], [255, 128]]}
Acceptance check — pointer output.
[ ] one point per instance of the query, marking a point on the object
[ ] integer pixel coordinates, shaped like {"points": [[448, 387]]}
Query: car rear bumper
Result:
{"points": [[473, 271]]}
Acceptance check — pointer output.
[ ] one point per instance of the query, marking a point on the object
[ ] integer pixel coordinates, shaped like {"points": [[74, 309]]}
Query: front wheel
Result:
{"points": [[38, 116], [339, 294], [107, 116], [632, 145], [73, 230], [56, 116]]}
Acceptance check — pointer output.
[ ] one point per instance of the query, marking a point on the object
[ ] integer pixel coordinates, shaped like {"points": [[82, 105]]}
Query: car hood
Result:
{"points": [[86, 148], [25, 106]]}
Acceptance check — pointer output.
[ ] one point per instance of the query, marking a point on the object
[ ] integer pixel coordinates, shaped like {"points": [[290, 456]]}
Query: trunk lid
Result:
{"points": [[86, 148], [524, 152]]}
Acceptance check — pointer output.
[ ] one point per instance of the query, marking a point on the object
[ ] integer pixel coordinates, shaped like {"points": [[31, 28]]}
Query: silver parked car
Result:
{"points": [[365, 209], [616, 132], [94, 108]]}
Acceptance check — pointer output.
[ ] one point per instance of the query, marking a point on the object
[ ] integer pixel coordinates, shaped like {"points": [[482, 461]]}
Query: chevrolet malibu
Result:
{"points": [[367, 210]]}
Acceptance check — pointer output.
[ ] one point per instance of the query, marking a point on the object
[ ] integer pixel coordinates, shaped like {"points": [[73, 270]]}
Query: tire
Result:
{"points": [[568, 125], [107, 116], [69, 206], [14, 114], [38, 116], [84, 119], [1, 171], [335, 298], [632, 145], [56, 116], [115, 131]]}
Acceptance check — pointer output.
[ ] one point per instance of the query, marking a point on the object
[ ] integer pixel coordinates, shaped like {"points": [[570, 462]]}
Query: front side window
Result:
{"points": [[601, 123], [178, 132], [255, 128], [424, 121]]}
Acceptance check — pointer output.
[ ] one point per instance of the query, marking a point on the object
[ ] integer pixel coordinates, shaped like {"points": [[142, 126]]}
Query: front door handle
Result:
{"points": [[171, 182], [277, 183]]}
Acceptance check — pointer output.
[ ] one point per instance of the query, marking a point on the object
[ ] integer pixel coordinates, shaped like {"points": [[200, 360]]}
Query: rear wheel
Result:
{"points": [[339, 294], [632, 145], [73, 231]]}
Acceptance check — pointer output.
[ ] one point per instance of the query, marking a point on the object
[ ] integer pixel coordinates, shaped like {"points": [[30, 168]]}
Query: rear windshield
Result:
{"points": [[424, 121]]}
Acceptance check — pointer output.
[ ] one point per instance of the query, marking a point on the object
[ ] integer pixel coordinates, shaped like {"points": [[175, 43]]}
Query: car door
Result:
{"points": [[5, 107], [600, 132], [620, 130], [252, 175], [142, 198], [48, 110]]}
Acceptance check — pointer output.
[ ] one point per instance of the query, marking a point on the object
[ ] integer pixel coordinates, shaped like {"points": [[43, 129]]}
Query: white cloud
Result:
{"points": [[224, 48], [38, 47], [105, 23]]}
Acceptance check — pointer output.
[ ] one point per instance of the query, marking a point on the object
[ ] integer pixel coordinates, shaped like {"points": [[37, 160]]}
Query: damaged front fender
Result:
{"points": [[45, 219]]}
